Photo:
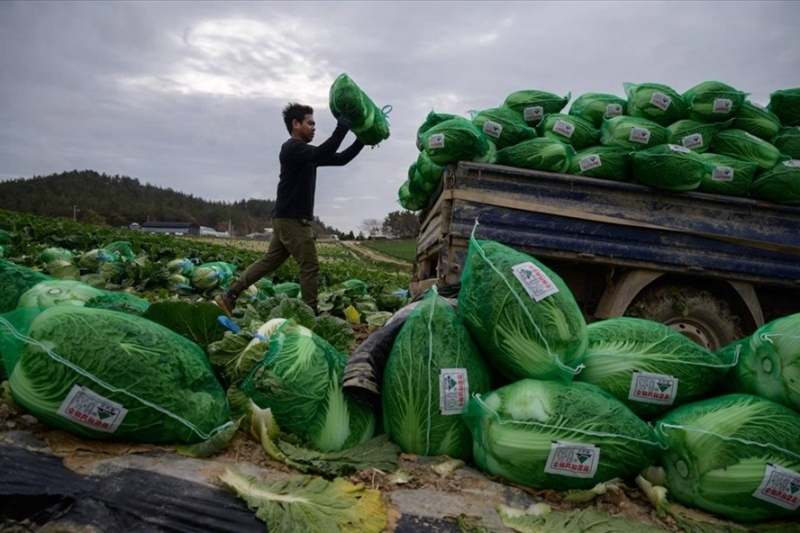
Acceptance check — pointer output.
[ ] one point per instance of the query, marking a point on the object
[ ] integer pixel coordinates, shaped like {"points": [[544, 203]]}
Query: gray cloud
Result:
{"points": [[188, 95]]}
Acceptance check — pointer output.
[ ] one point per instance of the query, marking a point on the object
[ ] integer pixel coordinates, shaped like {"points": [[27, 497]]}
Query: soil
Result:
{"points": [[358, 251]]}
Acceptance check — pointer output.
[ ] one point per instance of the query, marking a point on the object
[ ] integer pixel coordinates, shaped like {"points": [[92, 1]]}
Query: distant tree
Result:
{"points": [[372, 227], [350, 236], [401, 224]]}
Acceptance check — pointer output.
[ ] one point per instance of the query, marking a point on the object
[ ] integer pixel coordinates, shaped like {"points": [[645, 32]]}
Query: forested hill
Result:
{"points": [[120, 200]]}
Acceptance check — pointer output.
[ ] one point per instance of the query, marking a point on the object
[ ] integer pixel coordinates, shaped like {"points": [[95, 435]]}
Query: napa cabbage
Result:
{"points": [[787, 141], [654, 101], [607, 162], [551, 435], [785, 103], [632, 132], [545, 154], [648, 366], [212, 275], [300, 379], [348, 100], [102, 374], [669, 167], [533, 104], [757, 120], [742, 145], [454, 140], [569, 129], [780, 184], [713, 101], [432, 119], [54, 292], [504, 126], [735, 456], [727, 175], [695, 135], [182, 266], [521, 313], [595, 107], [433, 367], [55, 253]]}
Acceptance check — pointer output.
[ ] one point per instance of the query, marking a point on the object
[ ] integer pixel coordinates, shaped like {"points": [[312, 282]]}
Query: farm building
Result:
{"points": [[175, 228]]}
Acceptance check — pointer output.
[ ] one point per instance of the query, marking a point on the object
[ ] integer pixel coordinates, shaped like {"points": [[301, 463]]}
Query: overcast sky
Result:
{"points": [[188, 95]]}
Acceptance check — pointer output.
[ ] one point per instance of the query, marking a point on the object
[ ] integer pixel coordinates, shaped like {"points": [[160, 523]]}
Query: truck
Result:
{"points": [[713, 267]]}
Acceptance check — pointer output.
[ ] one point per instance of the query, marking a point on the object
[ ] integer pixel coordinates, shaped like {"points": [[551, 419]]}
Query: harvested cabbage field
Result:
{"points": [[130, 403]]}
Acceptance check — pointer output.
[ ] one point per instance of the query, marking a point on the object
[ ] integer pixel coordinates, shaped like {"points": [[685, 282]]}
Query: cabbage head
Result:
{"points": [[409, 201], [557, 436], [544, 154], [521, 313], [368, 122], [55, 292], [669, 166], [785, 103], [289, 289], [742, 145], [780, 184], [607, 162], [107, 375], [94, 259], [695, 135], [713, 101], [769, 361], [533, 105], [648, 366], [733, 456], [569, 129], [429, 172], [182, 266], [122, 249], [788, 142], [757, 120], [727, 175], [300, 380], [595, 107], [432, 119], [656, 102], [505, 127], [56, 254], [632, 132], [212, 275], [454, 140], [16, 280], [433, 368]]}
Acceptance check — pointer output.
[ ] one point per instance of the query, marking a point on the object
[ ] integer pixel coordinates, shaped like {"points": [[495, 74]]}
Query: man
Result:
{"points": [[292, 234]]}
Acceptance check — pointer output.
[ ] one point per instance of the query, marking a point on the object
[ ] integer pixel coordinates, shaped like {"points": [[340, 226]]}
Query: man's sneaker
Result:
{"points": [[225, 302]]}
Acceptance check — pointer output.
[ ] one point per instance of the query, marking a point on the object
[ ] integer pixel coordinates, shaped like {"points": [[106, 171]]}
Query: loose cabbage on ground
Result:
{"points": [[572, 130], [521, 313], [657, 102], [785, 103], [780, 184], [713, 101], [557, 436], [669, 166], [648, 366], [300, 381], [742, 145], [368, 121], [107, 375], [735, 456], [544, 154], [607, 162], [504, 126], [433, 368], [727, 175], [695, 135], [454, 140], [595, 107], [533, 104], [757, 120], [632, 132]]}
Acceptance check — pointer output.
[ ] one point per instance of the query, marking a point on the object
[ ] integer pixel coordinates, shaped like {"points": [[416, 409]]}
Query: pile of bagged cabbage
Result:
{"points": [[710, 138]]}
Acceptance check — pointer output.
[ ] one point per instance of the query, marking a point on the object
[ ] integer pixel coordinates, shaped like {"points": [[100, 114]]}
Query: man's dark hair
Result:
{"points": [[295, 111]]}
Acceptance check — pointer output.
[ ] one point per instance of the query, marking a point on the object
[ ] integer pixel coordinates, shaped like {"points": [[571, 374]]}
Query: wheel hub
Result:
{"points": [[696, 330]]}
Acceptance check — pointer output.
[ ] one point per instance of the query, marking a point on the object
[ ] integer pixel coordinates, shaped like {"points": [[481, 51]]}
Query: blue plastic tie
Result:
{"points": [[228, 323]]}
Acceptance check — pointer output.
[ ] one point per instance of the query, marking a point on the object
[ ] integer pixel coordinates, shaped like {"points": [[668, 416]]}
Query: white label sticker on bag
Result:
{"points": [[661, 100], [589, 162], [533, 113], [436, 141], [780, 487], [87, 408], [536, 283], [722, 106], [492, 129], [681, 149], [453, 390], [564, 128], [653, 388], [694, 140], [612, 110], [792, 163], [572, 459], [722, 174], [639, 135]]}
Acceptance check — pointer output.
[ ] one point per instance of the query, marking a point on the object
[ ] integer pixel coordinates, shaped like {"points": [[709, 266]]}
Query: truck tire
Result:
{"points": [[697, 314]]}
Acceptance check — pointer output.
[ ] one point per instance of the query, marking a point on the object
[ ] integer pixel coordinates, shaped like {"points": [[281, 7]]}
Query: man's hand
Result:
{"points": [[344, 122]]}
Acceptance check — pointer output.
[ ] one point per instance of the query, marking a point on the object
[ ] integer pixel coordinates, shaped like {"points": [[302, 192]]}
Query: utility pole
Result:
{"points": [[75, 212]]}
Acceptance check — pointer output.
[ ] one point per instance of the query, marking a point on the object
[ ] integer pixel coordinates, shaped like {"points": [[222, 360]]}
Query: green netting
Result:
{"points": [[5, 238], [454, 140], [569, 129], [669, 167], [742, 145], [788, 142], [102, 374], [632, 132], [780, 184], [656, 102], [533, 105], [430, 121], [407, 200], [695, 135], [785, 104], [543, 153], [595, 107], [429, 171], [713, 101], [49, 255], [504, 126], [607, 162], [368, 122], [757, 120], [121, 248], [14, 281], [727, 175]]}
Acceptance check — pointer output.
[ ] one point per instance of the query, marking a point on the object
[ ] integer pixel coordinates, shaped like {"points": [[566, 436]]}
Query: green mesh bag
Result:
{"points": [[5, 238], [780, 184], [429, 171], [454, 140], [632, 132], [713, 101], [533, 105], [55, 253], [432, 119], [15, 280], [787, 141], [607, 162], [368, 122], [742, 145], [521, 313], [300, 380], [786, 105], [122, 249], [433, 368], [544, 154], [407, 200], [656, 102], [695, 135], [727, 175], [595, 107], [757, 120], [669, 166], [101, 374], [505, 127], [572, 130]]}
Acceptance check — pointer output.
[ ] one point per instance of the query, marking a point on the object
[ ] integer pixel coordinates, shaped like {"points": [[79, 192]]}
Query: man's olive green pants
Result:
{"points": [[290, 237]]}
